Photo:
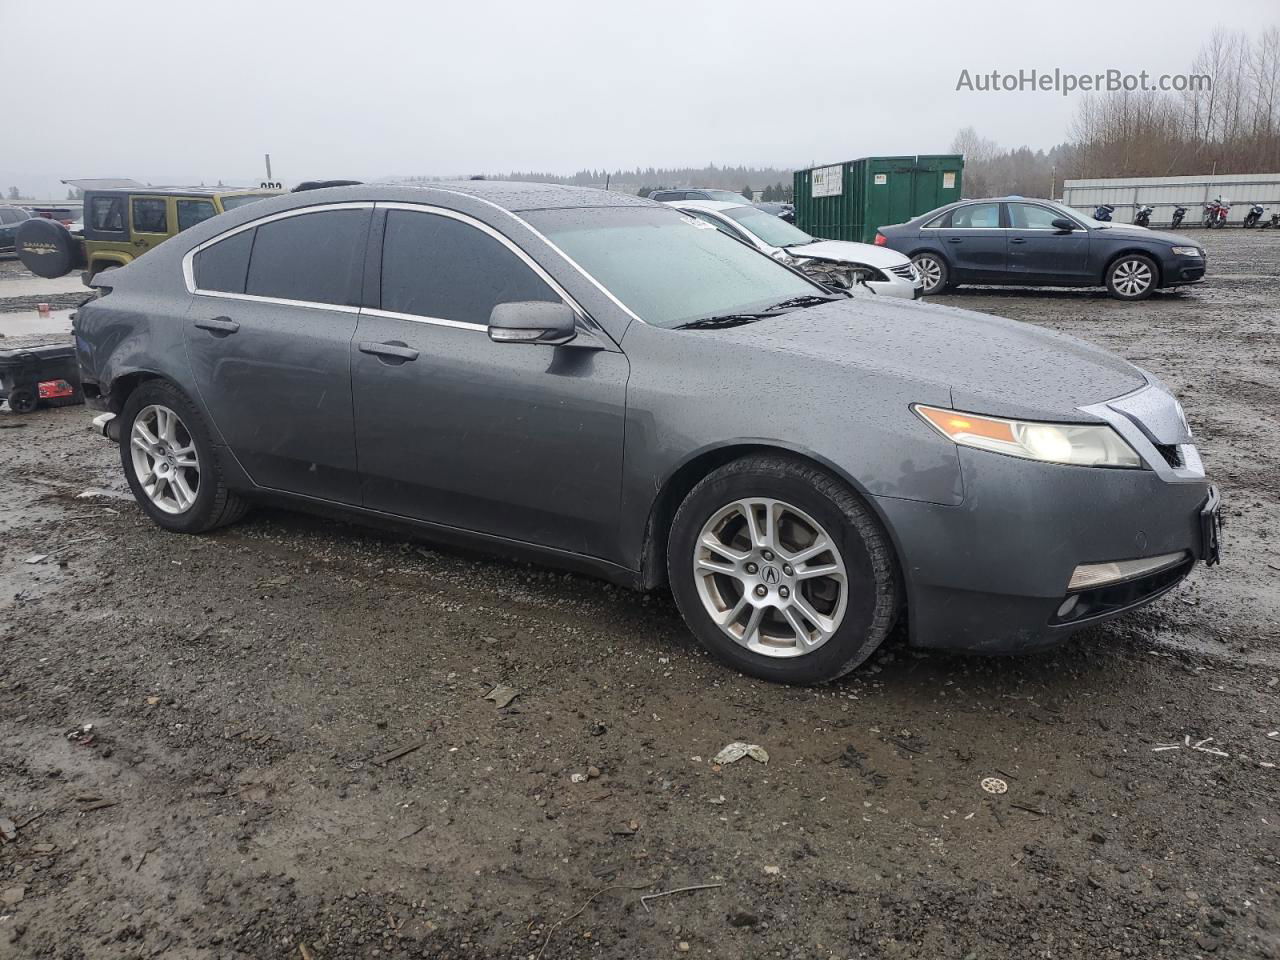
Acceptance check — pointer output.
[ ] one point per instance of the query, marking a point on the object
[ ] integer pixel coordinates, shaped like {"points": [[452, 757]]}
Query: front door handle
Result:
{"points": [[391, 352], [218, 325], [954, 239]]}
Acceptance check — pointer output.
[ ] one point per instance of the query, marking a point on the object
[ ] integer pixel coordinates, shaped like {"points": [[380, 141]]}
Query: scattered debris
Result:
{"points": [[396, 754], [1274, 735], [994, 785], [502, 695], [43, 847], [143, 859], [98, 805], [13, 896], [305, 952], [626, 829], [8, 830], [743, 919], [1028, 808], [1199, 745], [36, 558], [411, 832], [737, 750], [644, 900], [717, 800], [772, 871], [578, 778], [577, 913], [907, 742], [83, 735]]}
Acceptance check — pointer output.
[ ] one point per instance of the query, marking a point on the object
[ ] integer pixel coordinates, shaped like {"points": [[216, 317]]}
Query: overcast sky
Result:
{"points": [[179, 89]]}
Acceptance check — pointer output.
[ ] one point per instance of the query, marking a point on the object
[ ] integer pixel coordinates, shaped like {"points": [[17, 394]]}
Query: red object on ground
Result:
{"points": [[42, 309], [55, 389]]}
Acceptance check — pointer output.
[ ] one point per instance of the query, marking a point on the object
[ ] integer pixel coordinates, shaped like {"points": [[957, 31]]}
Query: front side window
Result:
{"points": [[727, 196], [106, 214], [1029, 216], [311, 257], [976, 216], [436, 266], [667, 268], [772, 230], [240, 199], [9, 215], [191, 212], [150, 215]]}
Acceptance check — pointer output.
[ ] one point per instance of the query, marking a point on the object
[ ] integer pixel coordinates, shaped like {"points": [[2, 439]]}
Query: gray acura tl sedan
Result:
{"points": [[603, 383]]}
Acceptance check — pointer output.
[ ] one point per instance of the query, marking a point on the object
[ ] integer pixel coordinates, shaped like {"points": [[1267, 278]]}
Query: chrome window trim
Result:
{"points": [[415, 318], [188, 259]]}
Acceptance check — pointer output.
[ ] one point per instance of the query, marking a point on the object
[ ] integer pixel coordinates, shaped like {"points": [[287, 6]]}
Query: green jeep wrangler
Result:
{"points": [[121, 224]]}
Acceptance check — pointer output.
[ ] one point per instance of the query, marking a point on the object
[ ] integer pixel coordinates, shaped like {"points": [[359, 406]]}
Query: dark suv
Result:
{"points": [[698, 193], [1022, 242]]}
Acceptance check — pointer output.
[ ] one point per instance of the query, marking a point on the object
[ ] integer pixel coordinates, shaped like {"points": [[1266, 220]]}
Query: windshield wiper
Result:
{"points": [[725, 320], [805, 300]]}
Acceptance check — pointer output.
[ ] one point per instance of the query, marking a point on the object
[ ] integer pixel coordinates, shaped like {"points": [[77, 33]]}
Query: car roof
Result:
{"points": [[716, 206], [517, 195]]}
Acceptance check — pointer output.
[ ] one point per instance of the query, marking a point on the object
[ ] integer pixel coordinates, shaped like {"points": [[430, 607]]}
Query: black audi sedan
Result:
{"points": [[1038, 243]]}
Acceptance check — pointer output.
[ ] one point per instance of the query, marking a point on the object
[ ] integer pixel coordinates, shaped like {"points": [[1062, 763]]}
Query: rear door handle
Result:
{"points": [[954, 239], [392, 352], [1018, 240], [222, 325]]}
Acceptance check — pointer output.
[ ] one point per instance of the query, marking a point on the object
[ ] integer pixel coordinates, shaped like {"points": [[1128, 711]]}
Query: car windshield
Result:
{"points": [[669, 268], [727, 196], [770, 229], [240, 199]]}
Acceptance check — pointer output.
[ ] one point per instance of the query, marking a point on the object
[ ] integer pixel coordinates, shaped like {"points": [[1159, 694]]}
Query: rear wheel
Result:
{"points": [[933, 271], [23, 400], [1132, 277], [781, 571], [169, 461]]}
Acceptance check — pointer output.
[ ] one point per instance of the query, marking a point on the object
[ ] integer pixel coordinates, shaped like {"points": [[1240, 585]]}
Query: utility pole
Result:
{"points": [[268, 168]]}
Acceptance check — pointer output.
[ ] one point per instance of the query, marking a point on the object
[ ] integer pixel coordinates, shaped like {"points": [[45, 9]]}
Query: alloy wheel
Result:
{"points": [[1131, 277], [164, 459], [931, 270], [770, 577]]}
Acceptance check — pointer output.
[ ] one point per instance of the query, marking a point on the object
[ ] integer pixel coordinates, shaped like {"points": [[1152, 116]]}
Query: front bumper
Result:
{"points": [[1177, 271], [991, 574]]}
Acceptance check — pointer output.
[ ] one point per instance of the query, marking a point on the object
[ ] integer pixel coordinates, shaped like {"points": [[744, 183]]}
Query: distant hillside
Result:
{"points": [[726, 178]]}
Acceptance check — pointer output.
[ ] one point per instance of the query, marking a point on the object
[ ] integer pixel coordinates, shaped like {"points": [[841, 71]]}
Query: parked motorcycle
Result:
{"points": [[1215, 213], [1143, 217], [1253, 216], [1178, 214], [1272, 224], [1104, 212]]}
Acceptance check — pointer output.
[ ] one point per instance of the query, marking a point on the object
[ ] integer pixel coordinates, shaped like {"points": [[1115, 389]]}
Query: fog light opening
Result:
{"points": [[1088, 576]]}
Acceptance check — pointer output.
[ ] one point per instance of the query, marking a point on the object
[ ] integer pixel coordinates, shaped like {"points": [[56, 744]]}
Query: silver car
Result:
{"points": [[837, 263]]}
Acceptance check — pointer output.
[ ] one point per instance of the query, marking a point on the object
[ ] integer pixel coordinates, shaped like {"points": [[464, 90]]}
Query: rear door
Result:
{"points": [[522, 441], [1041, 253], [973, 240], [269, 339], [150, 222]]}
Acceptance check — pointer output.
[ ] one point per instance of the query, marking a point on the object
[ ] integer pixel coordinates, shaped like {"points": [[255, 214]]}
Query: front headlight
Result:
{"points": [[1186, 251], [1082, 445]]}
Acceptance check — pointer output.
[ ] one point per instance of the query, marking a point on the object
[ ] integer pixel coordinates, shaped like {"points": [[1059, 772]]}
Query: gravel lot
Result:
{"points": [[291, 755]]}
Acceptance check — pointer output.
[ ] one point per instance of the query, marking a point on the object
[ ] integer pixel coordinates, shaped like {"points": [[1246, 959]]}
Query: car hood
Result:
{"points": [[843, 251], [991, 365], [1125, 230]]}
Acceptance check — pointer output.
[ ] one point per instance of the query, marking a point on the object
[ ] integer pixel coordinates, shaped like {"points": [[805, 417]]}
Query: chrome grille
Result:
{"points": [[906, 271]]}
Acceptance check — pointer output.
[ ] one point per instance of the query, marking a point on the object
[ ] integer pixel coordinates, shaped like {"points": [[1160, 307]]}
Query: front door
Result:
{"points": [[269, 340], [1039, 252], [974, 243], [522, 441]]}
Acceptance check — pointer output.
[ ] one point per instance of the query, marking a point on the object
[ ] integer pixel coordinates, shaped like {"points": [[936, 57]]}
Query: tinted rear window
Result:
{"points": [[434, 266], [313, 257], [223, 266]]}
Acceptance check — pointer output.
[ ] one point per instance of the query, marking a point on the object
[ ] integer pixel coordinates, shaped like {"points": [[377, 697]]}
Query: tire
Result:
{"points": [[807, 499], [934, 271], [47, 248], [23, 400], [1132, 277], [185, 499]]}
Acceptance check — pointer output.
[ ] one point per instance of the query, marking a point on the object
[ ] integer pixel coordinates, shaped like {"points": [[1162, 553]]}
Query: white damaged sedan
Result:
{"points": [[837, 263]]}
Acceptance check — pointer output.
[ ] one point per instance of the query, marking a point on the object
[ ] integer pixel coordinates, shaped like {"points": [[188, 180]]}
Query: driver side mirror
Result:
{"points": [[1065, 225], [533, 321]]}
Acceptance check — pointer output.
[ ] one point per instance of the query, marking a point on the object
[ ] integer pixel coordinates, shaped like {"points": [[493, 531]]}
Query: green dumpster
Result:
{"points": [[850, 200]]}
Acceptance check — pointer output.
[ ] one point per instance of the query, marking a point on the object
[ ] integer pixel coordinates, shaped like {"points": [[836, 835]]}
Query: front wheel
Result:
{"points": [[781, 571], [1131, 277], [169, 461], [933, 271]]}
